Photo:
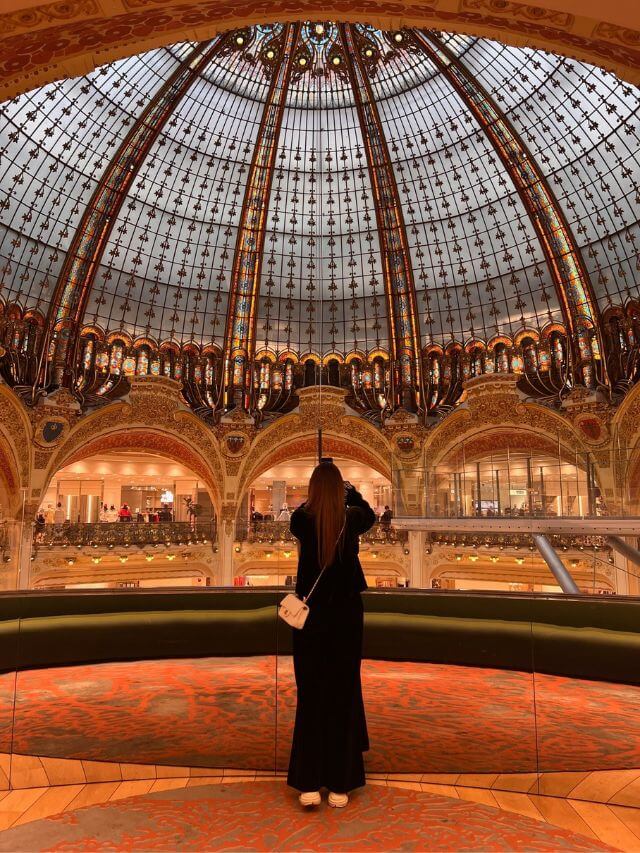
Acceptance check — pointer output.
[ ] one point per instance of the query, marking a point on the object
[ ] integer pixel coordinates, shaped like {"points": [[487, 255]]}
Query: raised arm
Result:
{"points": [[360, 516]]}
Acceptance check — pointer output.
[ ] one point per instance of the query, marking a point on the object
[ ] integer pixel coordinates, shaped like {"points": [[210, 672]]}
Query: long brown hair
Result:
{"points": [[326, 503]]}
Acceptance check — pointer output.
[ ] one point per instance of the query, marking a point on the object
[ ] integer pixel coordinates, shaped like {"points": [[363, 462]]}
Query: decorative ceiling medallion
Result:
{"points": [[235, 443], [405, 443], [50, 431]]}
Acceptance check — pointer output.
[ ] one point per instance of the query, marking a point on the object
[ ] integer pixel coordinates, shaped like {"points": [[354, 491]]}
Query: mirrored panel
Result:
{"points": [[447, 686], [185, 680], [587, 690], [9, 625]]}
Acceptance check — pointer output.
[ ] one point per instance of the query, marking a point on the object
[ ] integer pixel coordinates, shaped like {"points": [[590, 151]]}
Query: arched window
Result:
{"points": [[309, 373], [142, 367]]}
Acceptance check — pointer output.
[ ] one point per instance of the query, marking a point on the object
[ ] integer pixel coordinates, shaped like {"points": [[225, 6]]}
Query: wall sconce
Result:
{"points": [[494, 559], [287, 554], [473, 557], [123, 558], [71, 560], [406, 552], [268, 554], [374, 554], [519, 560], [148, 557], [458, 557], [237, 549], [171, 557], [96, 560]]}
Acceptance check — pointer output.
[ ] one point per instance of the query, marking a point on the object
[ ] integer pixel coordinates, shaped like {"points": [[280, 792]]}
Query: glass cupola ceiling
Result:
{"points": [[166, 265]]}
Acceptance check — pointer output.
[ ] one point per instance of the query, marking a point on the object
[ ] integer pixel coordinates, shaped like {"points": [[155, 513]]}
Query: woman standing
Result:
{"points": [[330, 731]]}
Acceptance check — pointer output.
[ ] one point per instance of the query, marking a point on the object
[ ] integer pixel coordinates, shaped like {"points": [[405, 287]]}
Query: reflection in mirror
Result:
{"points": [[587, 689], [8, 647], [447, 685], [178, 679]]}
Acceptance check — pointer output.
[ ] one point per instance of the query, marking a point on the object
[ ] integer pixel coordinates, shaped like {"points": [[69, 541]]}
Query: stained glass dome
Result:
{"points": [[318, 189]]}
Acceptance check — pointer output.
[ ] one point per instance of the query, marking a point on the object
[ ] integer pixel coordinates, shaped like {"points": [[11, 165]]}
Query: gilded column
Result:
{"points": [[87, 247], [239, 341], [404, 332], [561, 251]]}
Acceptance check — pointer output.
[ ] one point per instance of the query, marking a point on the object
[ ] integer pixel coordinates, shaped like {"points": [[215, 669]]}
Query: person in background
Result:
{"points": [[385, 518], [59, 516], [125, 513], [103, 516], [48, 514], [40, 526], [112, 513], [285, 515]]}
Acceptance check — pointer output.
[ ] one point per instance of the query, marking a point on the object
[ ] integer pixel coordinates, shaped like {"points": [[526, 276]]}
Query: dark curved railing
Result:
{"points": [[278, 531], [120, 533]]}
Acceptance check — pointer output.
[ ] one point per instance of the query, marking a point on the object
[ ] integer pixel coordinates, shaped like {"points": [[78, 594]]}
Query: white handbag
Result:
{"points": [[294, 610]]}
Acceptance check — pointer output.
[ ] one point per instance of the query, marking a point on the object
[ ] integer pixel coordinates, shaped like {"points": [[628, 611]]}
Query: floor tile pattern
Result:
{"points": [[266, 816]]}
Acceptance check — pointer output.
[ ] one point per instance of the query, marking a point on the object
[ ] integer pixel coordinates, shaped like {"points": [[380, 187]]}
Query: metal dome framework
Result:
{"points": [[394, 212]]}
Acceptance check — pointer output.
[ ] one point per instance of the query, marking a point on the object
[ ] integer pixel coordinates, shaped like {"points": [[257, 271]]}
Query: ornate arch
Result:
{"points": [[53, 40], [15, 444], [154, 419], [495, 409], [296, 434], [626, 448]]}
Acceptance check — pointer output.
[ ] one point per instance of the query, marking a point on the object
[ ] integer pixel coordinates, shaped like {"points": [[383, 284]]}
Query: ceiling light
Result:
{"points": [[270, 54], [336, 60], [302, 61], [240, 40], [398, 37], [319, 29], [368, 52]]}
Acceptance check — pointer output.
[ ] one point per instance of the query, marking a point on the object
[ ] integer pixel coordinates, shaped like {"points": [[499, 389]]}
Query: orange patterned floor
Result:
{"points": [[221, 712], [266, 816]]}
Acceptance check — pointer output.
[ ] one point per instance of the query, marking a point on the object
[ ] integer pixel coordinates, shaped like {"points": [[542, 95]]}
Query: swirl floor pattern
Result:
{"points": [[221, 712], [266, 816]]}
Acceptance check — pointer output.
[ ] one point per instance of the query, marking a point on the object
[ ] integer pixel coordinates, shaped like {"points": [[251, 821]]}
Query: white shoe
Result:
{"points": [[310, 798], [338, 801]]}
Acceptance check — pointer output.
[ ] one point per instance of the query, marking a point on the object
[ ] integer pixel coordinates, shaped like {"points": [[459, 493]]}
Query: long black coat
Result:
{"points": [[330, 731]]}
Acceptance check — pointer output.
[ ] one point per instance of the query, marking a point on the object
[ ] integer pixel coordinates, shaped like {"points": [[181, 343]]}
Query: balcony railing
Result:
{"points": [[517, 540], [114, 534], [278, 531]]}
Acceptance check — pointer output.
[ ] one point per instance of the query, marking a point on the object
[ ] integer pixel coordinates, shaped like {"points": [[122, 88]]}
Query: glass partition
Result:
{"points": [[9, 623], [144, 685], [513, 484], [587, 693]]}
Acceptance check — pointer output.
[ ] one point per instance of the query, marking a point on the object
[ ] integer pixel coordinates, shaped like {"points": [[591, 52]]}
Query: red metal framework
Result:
{"points": [[239, 342], [570, 276], [400, 291], [87, 247]]}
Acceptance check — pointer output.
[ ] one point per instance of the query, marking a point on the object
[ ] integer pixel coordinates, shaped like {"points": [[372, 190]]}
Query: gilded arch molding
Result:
{"points": [[296, 434], [41, 43], [153, 419], [495, 413], [15, 448]]}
